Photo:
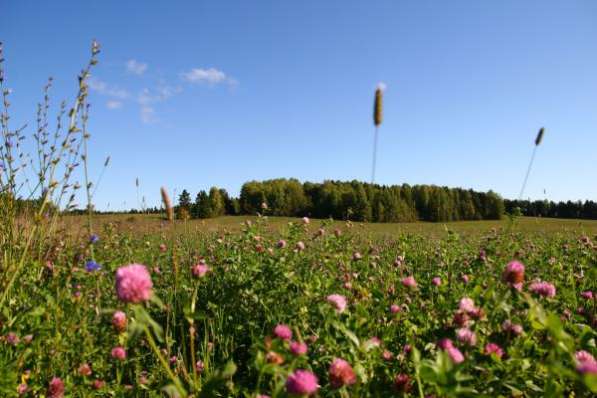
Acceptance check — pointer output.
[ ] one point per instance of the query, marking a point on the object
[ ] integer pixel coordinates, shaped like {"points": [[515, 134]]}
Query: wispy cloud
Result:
{"points": [[136, 67], [148, 114], [106, 89], [166, 91], [157, 94], [145, 97], [148, 97], [114, 104], [210, 76]]}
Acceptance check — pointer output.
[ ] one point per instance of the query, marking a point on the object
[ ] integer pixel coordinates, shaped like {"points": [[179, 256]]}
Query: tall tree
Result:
{"points": [[202, 205], [217, 206], [184, 200]]}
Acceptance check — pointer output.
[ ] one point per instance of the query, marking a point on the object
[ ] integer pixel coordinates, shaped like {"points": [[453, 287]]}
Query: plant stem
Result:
{"points": [[419, 385], [374, 155], [164, 363], [526, 177]]}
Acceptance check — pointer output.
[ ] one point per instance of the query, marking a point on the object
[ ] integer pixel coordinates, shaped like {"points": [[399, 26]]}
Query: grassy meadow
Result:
{"points": [[154, 223], [256, 307], [260, 307]]}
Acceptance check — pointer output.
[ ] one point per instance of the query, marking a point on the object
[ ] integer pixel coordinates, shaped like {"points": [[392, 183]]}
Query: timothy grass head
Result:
{"points": [[539, 136], [378, 105], [167, 204]]}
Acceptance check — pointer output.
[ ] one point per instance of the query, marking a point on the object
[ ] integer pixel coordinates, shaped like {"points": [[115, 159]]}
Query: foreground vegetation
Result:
{"points": [[210, 325]]}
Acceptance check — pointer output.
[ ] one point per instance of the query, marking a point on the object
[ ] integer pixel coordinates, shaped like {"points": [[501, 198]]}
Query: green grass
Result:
{"points": [[279, 271], [155, 224]]}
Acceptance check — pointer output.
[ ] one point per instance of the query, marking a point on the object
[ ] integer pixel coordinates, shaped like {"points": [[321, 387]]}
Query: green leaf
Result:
{"points": [[171, 391], [349, 334], [591, 382], [428, 373]]}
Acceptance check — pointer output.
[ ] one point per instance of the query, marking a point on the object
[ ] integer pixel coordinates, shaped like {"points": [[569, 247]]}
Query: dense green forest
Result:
{"points": [[352, 200], [544, 208], [359, 201]]}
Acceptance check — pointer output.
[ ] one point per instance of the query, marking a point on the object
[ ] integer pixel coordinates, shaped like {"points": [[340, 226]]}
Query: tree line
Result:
{"points": [[340, 200], [358, 201], [544, 208]]}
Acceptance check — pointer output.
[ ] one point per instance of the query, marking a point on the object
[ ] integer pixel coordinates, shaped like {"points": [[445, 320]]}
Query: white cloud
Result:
{"points": [[136, 67], [148, 114], [158, 94], [106, 89], [145, 97], [114, 104], [165, 91], [211, 76], [148, 97]]}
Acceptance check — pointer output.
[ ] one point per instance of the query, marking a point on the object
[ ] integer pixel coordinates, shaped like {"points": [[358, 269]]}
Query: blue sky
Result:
{"points": [[202, 93]]}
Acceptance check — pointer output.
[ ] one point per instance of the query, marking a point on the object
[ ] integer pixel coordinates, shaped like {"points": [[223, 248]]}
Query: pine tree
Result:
{"points": [[184, 200], [201, 207], [183, 209]]}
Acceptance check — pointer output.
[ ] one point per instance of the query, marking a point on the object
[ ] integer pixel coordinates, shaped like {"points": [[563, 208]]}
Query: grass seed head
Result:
{"points": [[539, 136], [167, 204], [378, 107]]}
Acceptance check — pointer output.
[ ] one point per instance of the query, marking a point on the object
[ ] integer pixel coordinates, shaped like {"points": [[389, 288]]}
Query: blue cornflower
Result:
{"points": [[92, 266], [93, 239]]}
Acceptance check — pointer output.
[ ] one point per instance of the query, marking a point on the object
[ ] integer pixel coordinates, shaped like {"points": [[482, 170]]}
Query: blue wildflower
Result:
{"points": [[92, 266], [93, 239]]}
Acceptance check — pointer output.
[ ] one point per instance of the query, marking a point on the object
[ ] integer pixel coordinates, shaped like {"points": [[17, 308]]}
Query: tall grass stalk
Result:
{"points": [[84, 157], [538, 140], [59, 154], [139, 206], [377, 119], [167, 204]]}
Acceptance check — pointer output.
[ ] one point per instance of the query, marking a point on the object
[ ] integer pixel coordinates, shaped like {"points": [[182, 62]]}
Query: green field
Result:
{"points": [[154, 223], [280, 307]]}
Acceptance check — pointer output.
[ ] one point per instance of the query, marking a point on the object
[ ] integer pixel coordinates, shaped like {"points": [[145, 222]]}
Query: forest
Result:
{"points": [[354, 200]]}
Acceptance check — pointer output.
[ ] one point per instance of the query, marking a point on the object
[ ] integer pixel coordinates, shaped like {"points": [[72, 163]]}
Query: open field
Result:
{"points": [[280, 307], [154, 223]]}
